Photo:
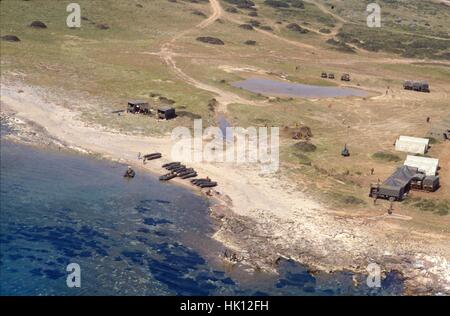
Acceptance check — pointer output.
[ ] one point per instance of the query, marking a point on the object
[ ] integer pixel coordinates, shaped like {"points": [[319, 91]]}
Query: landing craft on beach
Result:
{"points": [[129, 173], [167, 176]]}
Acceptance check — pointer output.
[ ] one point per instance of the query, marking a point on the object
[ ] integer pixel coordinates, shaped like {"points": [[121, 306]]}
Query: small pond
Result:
{"points": [[280, 88]]}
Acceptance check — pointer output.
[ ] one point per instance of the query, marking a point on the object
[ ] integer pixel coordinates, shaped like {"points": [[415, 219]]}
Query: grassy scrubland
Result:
{"points": [[112, 65], [108, 67]]}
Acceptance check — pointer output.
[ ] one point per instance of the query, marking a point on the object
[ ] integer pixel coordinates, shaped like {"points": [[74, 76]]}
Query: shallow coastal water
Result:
{"points": [[137, 237], [280, 88]]}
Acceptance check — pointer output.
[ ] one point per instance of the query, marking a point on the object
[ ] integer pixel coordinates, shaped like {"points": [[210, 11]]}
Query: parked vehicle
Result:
{"points": [[345, 77]]}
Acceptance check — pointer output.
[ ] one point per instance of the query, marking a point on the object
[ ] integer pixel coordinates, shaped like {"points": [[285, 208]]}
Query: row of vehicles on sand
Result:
{"points": [[344, 77], [420, 86]]}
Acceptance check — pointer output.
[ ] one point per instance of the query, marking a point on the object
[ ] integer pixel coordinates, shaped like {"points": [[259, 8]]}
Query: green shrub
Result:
{"points": [[305, 147], [276, 4], [386, 156], [441, 208]]}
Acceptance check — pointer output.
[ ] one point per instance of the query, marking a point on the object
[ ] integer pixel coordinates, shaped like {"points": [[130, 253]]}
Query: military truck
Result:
{"points": [[396, 186], [420, 86], [138, 106], [420, 182], [345, 77], [408, 85], [401, 182]]}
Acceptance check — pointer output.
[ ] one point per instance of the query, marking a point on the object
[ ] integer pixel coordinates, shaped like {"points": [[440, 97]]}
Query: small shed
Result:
{"points": [[412, 145], [426, 165], [431, 183], [166, 113], [138, 106]]}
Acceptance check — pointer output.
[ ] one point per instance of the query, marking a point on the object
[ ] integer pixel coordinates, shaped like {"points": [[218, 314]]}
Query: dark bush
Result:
{"points": [[276, 4], [210, 40], [266, 28], [254, 23], [10, 38], [246, 27], [296, 28], [38, 25], [386, 156], [232, 10]]}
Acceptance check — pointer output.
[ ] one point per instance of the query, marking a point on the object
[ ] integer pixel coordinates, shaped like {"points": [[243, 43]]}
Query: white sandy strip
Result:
{"points": [[279, 207]]}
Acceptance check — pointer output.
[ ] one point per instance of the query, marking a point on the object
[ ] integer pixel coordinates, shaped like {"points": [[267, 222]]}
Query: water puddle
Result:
{"points": [[280, 88]]}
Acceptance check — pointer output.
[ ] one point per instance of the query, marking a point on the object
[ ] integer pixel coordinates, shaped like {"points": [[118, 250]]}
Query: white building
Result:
{"points": [[413, 145], [426, 165]]}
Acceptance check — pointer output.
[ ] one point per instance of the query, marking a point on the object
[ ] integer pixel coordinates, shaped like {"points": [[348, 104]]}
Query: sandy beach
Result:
{"points": [[261, 217]]}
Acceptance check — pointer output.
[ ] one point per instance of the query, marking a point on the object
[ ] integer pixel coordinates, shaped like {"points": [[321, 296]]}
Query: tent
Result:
{"points": [[397, 184], [426, 165], [412, 145]]}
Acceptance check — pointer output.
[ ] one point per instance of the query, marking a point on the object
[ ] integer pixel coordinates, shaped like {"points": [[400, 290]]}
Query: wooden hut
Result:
{"points": [[138, 106]]}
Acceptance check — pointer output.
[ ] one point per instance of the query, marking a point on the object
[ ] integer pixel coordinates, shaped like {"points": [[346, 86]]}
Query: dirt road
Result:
{"points": [[223, 97]]}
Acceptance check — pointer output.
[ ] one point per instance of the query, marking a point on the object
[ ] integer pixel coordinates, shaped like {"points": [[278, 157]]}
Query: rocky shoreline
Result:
{"points": [[255, 244]]}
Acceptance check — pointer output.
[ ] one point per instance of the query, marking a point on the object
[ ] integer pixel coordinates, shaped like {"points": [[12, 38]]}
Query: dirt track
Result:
{"points": [[223, 97]]}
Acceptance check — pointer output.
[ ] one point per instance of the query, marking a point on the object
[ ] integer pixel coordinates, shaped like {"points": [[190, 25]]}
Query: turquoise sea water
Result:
{"points": [[137, 237]]}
